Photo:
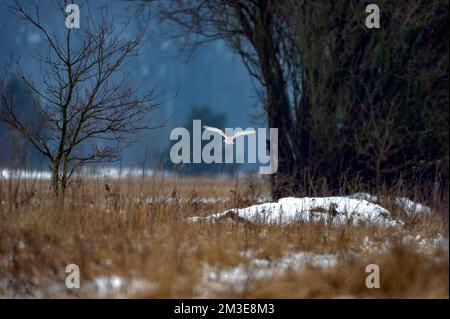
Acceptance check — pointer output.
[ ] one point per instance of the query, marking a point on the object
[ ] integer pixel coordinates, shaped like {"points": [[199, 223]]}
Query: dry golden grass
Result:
{"points": [[136, 230]]}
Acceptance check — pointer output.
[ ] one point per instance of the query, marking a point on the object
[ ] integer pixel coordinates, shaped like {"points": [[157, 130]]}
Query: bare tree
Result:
{"points": [[88, 111]]}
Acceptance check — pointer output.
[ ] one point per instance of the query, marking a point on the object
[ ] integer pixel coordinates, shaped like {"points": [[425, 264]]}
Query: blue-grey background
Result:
{"points": [[212, 78]]}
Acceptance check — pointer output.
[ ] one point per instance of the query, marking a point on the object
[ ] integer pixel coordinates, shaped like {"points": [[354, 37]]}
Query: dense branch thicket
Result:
{"points": [[377, 99]]}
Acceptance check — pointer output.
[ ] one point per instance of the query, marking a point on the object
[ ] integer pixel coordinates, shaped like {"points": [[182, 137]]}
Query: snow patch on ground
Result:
{"points": [[333, 210], [117, 286], [238, 278], [100, 287], [428, 244], [177, 200], [103, 172], [410, 207], [423, 244], [25, 174], [371, 246]]}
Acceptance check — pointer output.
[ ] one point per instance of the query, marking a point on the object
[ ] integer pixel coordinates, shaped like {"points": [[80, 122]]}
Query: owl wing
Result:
{"points": [[215, 130], [241, 133]]}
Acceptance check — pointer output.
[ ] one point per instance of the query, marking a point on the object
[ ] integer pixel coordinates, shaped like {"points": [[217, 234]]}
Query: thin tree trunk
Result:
{"points": [[55, 178], [64, 177]]}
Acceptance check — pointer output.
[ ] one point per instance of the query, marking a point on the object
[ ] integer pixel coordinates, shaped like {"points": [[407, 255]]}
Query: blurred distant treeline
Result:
{"points": [[15, 150]]}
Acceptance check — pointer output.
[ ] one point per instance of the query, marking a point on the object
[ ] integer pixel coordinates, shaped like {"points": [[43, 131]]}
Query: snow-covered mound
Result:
{"points": [[409, 207], [332, 210]]}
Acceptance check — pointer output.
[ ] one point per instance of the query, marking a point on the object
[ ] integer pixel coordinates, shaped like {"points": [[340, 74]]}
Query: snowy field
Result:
{"points": [[166, 240]]}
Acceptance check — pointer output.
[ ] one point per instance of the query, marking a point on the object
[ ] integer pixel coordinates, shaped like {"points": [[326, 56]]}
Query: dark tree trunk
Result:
{"points": [[278, 107], [55, 178]]}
